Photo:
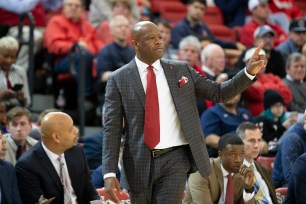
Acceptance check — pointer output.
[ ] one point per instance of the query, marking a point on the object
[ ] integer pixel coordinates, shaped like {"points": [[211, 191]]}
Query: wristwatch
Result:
{"points": [[249, 190]]}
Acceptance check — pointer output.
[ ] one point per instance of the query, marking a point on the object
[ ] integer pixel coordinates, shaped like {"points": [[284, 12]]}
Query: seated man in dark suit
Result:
{"points": [[297, 183], [263, 186], [8, 182], [229, 180], [55, 167]]}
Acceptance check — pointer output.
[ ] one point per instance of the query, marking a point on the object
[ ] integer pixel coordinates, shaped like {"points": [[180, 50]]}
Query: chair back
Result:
{"points": [[281, 193], [124, 197], [267, 161]]}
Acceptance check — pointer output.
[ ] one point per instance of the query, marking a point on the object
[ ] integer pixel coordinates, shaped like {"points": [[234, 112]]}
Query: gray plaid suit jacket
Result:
{"points": [[125, 98]]}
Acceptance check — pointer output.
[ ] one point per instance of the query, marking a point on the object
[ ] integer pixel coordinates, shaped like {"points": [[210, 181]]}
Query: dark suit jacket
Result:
{"points": [[8, 184], [125, 98], [267, 177], [209, 190], [37, 176]]}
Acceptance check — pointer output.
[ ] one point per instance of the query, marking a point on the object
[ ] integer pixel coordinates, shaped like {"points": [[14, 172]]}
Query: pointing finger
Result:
{"points": [[257, 50]]}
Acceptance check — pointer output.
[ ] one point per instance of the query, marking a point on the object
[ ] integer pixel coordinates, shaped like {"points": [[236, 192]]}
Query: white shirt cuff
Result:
{"points": [[249, 75], [109, 175], [247, 196]]}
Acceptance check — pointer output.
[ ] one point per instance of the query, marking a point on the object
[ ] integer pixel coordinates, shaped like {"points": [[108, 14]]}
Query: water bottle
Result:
{"points": [[61, 101]]}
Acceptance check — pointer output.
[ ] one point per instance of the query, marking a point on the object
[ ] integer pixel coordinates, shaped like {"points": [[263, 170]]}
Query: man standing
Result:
{"points": [[228, 177], [263, 186], [56, 167], [156, 165]]}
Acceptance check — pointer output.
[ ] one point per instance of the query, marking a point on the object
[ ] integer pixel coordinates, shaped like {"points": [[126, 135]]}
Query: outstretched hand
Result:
{"points": [[257, 61]]}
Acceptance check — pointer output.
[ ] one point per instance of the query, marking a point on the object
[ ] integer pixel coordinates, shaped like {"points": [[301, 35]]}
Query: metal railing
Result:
{"points": [[76, 48], [29, 42]]}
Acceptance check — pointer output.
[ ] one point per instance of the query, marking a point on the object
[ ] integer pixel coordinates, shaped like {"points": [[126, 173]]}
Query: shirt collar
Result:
{"points": [[225, 173], [143, 66], [290, 79], [52, 156], [248, 164], [208, 71]]}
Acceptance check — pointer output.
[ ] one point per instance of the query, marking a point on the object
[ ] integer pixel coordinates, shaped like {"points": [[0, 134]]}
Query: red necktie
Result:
{"points": [[20, 151], [8, 83], [229, 199], [151, 124]]}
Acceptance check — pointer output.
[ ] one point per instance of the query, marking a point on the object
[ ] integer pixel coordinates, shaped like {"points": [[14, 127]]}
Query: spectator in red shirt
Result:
{"points": [[285, 6], [63, 32], [260, 14], [283, 11]]}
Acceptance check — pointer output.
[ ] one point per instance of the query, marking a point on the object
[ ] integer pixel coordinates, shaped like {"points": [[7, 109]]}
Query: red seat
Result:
{"points": [[155, 4], [282, 191], [223, 32], [267, 161], [213, 15], [301, 5], [124, 197], [173, 11]]}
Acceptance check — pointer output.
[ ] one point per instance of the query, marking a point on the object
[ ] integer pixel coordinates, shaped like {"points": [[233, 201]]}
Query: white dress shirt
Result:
{"points": [[246, 196], [171, 133], [54, 160]]}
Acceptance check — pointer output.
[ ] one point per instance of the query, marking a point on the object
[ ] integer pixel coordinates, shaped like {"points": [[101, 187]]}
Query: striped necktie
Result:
{"points": [[259, 195], [68, 191]]}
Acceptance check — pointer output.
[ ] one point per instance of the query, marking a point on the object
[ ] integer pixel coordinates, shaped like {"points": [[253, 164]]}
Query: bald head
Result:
{"points": [[53, 122], [140, 28], [58, 132], [147, 42]]}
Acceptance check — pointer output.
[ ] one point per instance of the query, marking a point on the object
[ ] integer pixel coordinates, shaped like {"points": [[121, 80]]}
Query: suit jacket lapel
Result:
{"points": [[48, 166], [171, 76], [219, 174], [259, 169], [133, 75], [3, 180], [73, 174], [266, 179]]}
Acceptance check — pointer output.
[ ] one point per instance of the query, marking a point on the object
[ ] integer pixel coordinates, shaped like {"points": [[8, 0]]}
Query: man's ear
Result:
{"points": [[56, 137], [7, 127], [135, 44], [220, 153]]}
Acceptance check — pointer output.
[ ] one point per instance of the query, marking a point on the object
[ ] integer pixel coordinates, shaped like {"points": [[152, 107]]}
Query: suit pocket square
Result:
{"points": [[182, 82]]}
